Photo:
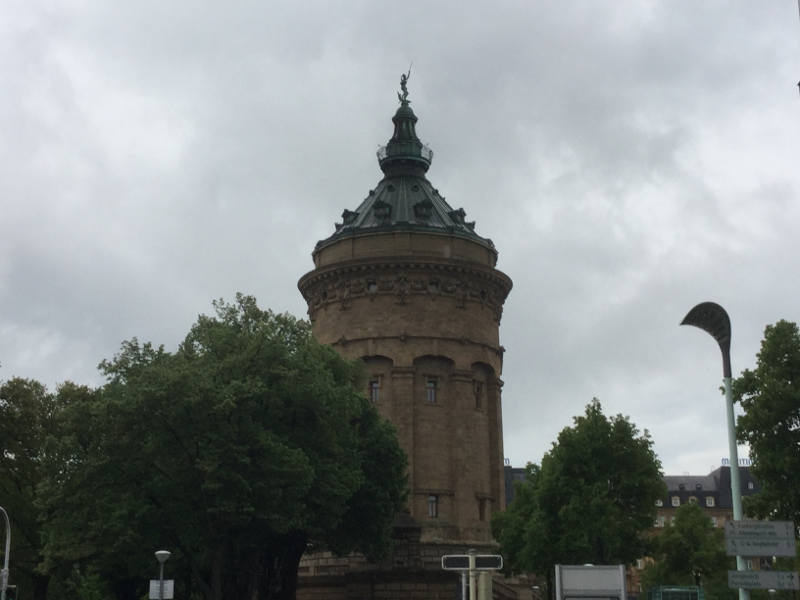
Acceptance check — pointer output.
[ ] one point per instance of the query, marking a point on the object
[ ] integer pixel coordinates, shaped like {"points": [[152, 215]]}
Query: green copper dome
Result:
{"points": [[404, 199]]}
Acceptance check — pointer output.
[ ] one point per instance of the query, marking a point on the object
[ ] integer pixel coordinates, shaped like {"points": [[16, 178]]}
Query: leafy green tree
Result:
{"points": [[27, 416], [589, 502], [690, 551], [770, 397], [235, 452]]}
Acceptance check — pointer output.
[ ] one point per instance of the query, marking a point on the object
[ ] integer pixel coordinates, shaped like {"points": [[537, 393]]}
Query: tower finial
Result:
{"points": [[403, 97]]}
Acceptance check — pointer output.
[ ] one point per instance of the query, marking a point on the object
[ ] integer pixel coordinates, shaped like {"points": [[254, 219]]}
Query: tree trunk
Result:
{"points": [[281, 579]]}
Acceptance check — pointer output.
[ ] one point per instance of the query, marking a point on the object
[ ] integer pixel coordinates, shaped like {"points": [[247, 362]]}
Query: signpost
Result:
{"points": [[169, 589], [590, 582], [759, 538], [469, 564], [764, 580]]}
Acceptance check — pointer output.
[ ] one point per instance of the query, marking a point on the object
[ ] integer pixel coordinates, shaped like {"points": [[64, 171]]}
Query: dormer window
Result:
{"points": [[382, 210], [423, 210], [457, 215], [348, 216]]}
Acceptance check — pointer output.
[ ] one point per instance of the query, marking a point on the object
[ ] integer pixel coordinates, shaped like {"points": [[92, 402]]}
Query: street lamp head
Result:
{"points": [[163, 555], [712, 318]]}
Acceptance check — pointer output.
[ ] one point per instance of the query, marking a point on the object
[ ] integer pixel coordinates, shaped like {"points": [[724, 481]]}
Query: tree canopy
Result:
{"points": [[770, 397], [235, 451], [590, 500], [690, 551], [28, 415]]}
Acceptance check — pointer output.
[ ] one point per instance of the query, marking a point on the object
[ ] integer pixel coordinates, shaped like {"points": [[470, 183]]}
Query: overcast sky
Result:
{"points": [[629, 160]]}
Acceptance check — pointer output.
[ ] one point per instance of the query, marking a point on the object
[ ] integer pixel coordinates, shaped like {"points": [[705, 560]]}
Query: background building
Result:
{"points": [[712, 492]]}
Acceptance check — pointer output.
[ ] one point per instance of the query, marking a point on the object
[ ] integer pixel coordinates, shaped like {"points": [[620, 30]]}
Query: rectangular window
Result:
{"points": [[676, 501], [659, 502], [482, 509], [714, 521], [710, 501], [433, 506], [374, 389], [478, 389], [430, 390]]}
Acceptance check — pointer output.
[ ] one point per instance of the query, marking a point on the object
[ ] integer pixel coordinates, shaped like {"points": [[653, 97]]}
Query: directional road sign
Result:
{"points": [[488, 562], [764, 580], [759, 538], [483, 562], [455, 562], [169, 589]]}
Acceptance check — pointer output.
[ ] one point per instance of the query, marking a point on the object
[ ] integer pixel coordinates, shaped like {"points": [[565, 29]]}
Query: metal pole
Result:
{"points": [[463, 585], [712, 318], [4, 572], [473, 586], [161, 581], [736, 488]]}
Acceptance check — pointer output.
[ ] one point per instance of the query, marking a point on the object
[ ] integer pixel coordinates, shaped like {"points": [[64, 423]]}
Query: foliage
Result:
{"points": [[234, 452], [28, 413], [590, 500], [690, 551], [770, 397]]}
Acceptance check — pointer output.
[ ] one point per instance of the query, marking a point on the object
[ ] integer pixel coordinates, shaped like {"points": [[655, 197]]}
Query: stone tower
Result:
{"points": [[406, 285]]}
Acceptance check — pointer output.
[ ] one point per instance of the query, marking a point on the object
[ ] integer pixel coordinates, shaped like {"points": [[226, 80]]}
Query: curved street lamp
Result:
{"points": [[161, 557], [712, 318], [4, 572]]}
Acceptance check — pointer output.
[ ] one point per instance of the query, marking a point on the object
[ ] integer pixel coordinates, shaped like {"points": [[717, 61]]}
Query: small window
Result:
{"points": [[672, 520], [676, 501], [710, 501], [681, 486], [640, 563], [482, 509], [374, 389], [698, 486], [750, 485], [430, 390], [714, 521], [659, 502], [477, 387], [692, 499], [660, 521], [433, 506]]}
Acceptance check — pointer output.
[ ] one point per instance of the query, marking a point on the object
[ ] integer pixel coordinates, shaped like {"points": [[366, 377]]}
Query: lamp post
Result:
{"points": [[4, 572], [161, 557], [712, 318]]}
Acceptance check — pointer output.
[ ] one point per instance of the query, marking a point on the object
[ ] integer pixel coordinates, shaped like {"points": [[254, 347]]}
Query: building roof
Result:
{"points": [[404, 199], [690, 483]]}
